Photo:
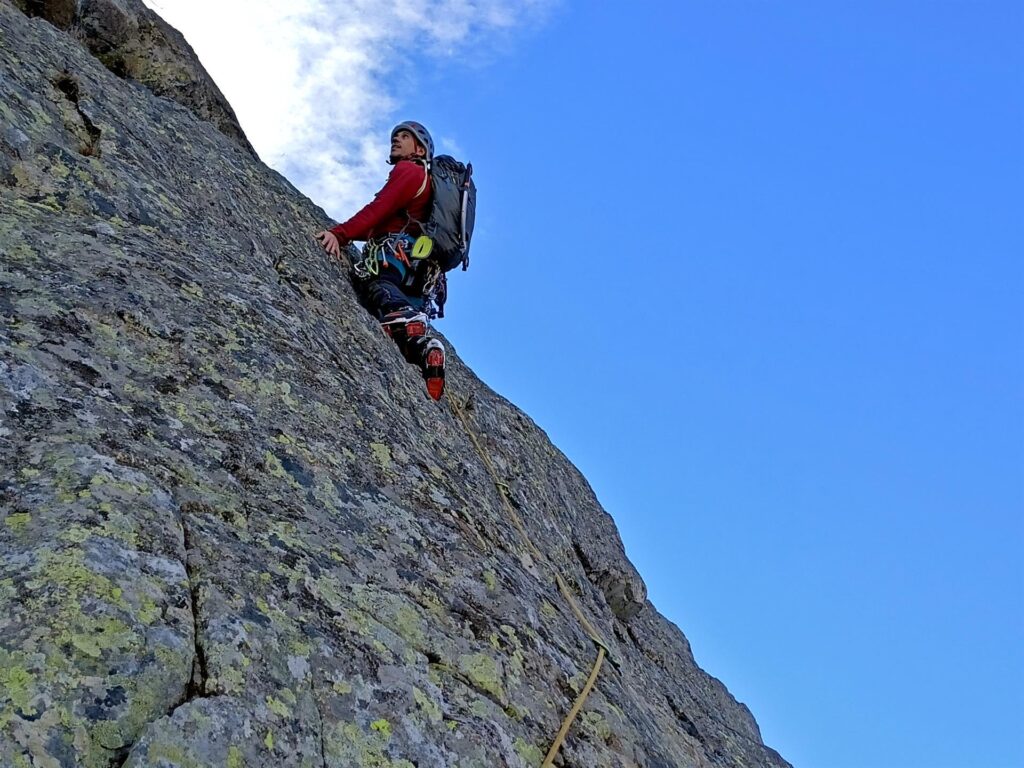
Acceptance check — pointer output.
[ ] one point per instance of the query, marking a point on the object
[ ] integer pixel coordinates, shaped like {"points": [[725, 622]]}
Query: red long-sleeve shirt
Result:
{"points": [[392, 207]]}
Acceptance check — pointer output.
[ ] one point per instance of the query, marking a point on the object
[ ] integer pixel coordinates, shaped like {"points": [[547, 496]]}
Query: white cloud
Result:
{"points": [[315, 82], [449, 145]]}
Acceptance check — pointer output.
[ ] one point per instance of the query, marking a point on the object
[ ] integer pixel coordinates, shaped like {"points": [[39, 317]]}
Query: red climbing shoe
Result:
{"points": [[433, 368], [404, 324]]}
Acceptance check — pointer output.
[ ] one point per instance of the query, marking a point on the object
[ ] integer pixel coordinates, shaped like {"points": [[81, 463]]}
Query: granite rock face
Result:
{"points": [[234, 531], [133, 42]]}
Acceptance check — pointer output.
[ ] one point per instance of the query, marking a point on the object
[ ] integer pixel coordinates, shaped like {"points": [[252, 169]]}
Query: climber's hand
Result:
{"points": [[329, 241]]}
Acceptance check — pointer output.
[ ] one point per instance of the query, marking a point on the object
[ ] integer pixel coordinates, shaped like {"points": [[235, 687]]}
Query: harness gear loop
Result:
{"points": [[377, 251], [602, 648]]}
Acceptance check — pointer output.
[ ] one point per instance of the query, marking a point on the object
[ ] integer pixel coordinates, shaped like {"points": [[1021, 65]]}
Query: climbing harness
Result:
{"points": [[459, 410], [381, 252], [399, 252]]}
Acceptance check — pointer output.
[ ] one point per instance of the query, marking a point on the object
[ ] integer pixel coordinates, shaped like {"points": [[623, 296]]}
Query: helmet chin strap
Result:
{"points": [[415, 158]]}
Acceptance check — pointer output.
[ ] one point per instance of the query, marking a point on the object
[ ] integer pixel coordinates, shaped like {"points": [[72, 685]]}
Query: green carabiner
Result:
{"points": [[422, 247]]}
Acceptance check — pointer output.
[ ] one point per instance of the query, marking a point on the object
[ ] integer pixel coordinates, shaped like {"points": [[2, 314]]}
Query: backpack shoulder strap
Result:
{"points": [[426, 177]]}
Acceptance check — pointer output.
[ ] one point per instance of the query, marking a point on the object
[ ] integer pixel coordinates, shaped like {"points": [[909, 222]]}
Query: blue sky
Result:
{"points": [[757, 269]]}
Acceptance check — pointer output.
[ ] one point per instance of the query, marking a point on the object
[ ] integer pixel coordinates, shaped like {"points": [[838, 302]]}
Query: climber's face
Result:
{"points": [[405, 147]]}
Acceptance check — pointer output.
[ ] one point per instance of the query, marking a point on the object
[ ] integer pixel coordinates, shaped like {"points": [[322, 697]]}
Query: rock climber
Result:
{"points": [[386, 278]]}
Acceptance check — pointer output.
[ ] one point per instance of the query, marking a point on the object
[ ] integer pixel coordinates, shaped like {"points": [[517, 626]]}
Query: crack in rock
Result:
{"points": [[197, 684], [320, 717], [68, 85]]}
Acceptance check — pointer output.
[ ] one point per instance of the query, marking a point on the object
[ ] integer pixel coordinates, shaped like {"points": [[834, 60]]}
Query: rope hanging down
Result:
{"points": [[602, 647]]}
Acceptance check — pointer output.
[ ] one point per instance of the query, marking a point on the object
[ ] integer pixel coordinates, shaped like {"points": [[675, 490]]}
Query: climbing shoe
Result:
{"points": [[404, 324], [433, 368]]}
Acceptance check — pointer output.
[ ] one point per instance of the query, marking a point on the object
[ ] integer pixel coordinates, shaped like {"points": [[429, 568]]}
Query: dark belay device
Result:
{"points": [[453, 213]]}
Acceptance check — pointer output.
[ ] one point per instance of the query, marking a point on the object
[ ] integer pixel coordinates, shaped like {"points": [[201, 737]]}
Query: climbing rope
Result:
{"points": [[602, 648]]}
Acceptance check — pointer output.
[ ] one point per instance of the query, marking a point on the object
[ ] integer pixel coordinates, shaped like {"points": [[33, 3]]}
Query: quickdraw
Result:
{"points": [[377, 251], [434, 291], [400, 253]]}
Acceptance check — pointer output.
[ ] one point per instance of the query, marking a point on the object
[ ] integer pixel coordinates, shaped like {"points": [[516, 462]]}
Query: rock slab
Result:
{"points": [[234, 531]]}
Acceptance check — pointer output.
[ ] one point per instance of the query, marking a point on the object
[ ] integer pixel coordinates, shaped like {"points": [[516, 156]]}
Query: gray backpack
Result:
{"points": [[452, 212]]}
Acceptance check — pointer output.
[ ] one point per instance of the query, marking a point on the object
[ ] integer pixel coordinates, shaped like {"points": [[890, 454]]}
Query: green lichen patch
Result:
{"points": [[531, 754], [18, 686], [429, 707], [93, 665], [347, 744], [278, 707], [18, 522], [382, 455], [396, 612], [594, 723], [484, 673]]}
